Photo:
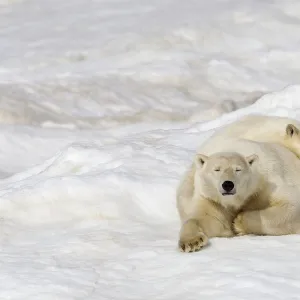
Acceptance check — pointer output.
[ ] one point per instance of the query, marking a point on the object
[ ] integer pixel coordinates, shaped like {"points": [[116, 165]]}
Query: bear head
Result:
{"points": [[227, 178]]}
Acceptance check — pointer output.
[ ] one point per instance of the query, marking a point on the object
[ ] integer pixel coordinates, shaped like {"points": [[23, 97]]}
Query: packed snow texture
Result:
{"points": [[102, 106]]}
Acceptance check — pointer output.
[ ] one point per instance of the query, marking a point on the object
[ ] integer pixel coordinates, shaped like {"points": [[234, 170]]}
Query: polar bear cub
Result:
{"points": [[253, 185]]}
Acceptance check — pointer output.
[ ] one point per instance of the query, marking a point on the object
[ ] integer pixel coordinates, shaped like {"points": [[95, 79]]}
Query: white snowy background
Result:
{"points": [[102, 106]]}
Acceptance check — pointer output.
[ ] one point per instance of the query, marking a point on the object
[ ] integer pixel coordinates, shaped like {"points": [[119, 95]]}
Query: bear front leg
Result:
{"points": [[192, 238], [273, 220]]}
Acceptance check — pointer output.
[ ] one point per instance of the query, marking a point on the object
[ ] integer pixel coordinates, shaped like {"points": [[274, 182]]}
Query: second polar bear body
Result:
{"points": [[271, 129], [277, 171]]}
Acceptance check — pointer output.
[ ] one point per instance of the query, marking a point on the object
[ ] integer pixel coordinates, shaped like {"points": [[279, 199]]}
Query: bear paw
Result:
{"points": [[238, 226], [193, 244]]}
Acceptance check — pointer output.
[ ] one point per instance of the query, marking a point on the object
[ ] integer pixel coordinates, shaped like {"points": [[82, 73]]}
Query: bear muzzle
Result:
{"points": [[228, 188]]}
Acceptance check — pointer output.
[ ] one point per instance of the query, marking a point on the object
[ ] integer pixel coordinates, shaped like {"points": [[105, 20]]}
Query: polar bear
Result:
{"points": [[273, 129], [253, 185]]}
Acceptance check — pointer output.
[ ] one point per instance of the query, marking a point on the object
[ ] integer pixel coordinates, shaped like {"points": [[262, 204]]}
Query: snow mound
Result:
{"points": [[103, 213]]}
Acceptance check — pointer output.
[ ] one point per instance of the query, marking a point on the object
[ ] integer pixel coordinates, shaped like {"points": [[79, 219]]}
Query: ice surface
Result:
{"points": [[102, 105]]}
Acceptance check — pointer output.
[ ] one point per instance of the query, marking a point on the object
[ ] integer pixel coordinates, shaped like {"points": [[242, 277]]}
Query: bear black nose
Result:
{"points": [[228, 186]]}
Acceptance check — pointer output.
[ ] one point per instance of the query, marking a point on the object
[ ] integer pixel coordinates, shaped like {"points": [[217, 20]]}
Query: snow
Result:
{"points": [[102, 105]]}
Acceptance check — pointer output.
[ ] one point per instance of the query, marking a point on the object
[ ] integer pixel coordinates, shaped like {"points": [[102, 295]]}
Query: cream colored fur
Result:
{"points": [[272, 129], [266, 178]]}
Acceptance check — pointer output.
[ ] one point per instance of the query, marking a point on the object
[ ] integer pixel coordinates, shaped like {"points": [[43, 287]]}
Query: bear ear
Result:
{"points": [[291, 130], [201, 160], [252, 159]]}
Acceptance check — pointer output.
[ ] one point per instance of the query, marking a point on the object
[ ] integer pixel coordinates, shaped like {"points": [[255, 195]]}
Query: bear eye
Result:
{"points": [[217, 169], [238, 169]]}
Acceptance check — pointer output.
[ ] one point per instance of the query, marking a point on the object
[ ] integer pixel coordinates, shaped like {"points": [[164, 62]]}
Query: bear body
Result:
{"points": [[272, 129], [238, 186]]}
